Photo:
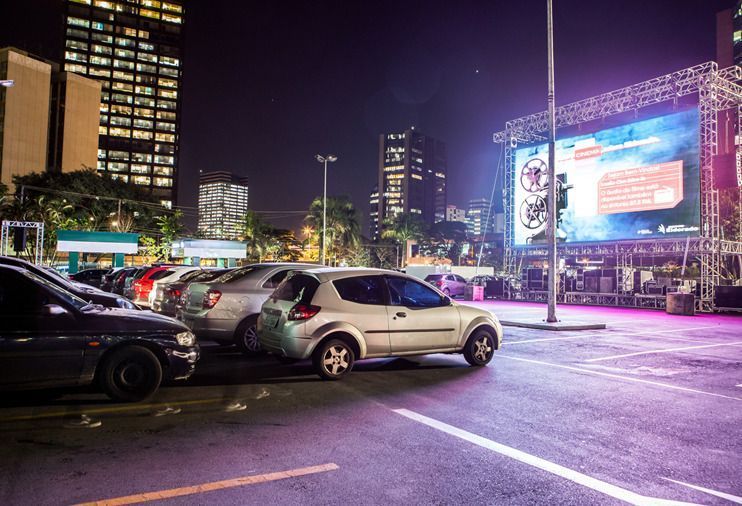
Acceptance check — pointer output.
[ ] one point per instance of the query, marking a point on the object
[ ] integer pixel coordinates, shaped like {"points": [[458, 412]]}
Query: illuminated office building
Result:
{"points": [[133, 47], [373, 213], [481, 219], [412, 177], [454, 213], [222, 203]]}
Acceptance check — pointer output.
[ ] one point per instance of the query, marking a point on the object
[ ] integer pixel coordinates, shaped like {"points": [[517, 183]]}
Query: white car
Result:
{"points": [[173, 274], [338, 316]]}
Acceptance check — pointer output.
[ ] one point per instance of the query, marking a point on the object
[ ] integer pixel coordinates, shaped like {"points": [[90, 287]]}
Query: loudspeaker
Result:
{"points": [[19, 239], [592, 284], [728, 296], [607, 285]]}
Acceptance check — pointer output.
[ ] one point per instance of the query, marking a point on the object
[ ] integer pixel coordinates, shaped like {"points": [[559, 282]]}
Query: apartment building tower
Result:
{"points": [[222, 202]]}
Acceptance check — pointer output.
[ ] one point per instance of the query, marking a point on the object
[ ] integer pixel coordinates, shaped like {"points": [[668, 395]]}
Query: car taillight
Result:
{"points": [[303, 312], [439, 282], [211, 297], [173, 292]]}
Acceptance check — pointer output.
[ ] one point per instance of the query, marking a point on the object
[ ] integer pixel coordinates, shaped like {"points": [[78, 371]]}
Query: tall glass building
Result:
{"points": [[222, 203], [133, 47], [412, 177]]}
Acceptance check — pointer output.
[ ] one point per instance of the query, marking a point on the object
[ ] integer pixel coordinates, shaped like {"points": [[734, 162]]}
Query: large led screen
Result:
{"points": [[635, 181]]}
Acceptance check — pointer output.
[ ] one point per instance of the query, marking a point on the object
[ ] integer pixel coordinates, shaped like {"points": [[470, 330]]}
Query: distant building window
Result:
{"points": [[70, 55], [78, 22], [145, 113], [167, 6], [163, 181], [119, 132], [166, 60], [102, 37], [143, 123], [142, 134], [163, 171], [160, 137], [147, 57], [74, 67], [141, 180], [143, 67], [149, 14], [140, 169], [171, 19]]}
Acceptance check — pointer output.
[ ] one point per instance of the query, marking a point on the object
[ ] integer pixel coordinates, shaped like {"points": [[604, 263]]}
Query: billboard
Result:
{"points": [[636, 181]]}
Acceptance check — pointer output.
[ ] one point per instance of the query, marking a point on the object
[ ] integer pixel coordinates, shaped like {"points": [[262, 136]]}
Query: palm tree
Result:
{"points": [[402, 228], [259, 236], [343, 227]]}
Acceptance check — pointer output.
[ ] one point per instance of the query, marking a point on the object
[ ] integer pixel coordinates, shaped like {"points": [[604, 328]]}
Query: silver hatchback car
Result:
{"points": [[226, 309], [337, 316]]}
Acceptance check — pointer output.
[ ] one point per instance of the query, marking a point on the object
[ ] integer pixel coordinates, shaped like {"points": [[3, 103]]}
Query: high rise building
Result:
{"points": [[454, 213], [482, 220], [222, 202], [412, 176], [133, 47], [48, 119], [373, 213]]}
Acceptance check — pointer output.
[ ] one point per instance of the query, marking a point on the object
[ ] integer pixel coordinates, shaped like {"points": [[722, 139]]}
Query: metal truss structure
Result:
{"points": [[5, 237], [717, 90]]}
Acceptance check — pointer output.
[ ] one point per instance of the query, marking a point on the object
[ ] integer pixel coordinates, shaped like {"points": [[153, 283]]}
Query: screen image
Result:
{"points": [[636, 181]]}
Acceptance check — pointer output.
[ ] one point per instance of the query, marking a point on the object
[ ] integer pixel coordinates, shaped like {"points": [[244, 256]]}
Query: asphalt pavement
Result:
{"points": [[647, 410]]}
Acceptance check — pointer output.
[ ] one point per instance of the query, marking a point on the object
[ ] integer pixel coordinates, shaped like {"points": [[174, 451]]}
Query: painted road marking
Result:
{"points": [[546, 339], [667, 350], [116, 409], [211, 486], [618, 376], [545, 465], [728, 497]]}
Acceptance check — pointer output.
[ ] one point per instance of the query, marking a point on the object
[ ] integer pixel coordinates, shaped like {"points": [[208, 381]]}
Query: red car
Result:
{"points": [[143, 284]]}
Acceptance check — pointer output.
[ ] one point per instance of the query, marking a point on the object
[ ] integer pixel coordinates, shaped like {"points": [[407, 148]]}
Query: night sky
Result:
{"points": [[267, 85]]}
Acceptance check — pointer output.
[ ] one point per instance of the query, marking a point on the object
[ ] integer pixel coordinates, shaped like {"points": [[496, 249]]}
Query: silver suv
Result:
{"points": [[226, 309], [336, 316]]}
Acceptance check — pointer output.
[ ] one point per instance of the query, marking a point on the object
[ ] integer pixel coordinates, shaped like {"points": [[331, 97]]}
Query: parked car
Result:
{"points": [[168, 295], [226, 310], [142, 284], [106, 282], [173, 274], [122, 279], [338, 316], [49, 337], [450, 284], [92, 277], [85, 292]]}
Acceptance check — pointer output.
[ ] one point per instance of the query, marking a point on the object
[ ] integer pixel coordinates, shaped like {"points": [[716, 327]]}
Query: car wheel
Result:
{"points": [[246, 337], [446, 292], [131, 374], [479, 348], [333, 359]]}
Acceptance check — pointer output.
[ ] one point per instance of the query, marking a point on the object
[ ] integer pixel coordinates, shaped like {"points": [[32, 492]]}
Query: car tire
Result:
{"points": [[479, 348], [333, 359], [446, 292], [131, 374], [246, 337]]}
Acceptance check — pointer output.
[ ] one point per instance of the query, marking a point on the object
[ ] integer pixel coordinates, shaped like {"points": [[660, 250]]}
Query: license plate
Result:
{"points": [[270, 320]]}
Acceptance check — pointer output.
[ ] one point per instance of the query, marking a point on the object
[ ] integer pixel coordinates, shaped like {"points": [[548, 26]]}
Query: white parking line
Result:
{"points": [[728, 497], [617, 376], [550, 467], [547, 339], [666, 350]]}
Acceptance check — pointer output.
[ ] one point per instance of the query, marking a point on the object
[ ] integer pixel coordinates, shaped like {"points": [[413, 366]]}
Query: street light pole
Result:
{"points": [[324, 160], [552, 184]]}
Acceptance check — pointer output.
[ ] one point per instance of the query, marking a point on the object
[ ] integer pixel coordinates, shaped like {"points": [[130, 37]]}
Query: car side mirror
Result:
{"points": [[445, 300], [53, 310]]}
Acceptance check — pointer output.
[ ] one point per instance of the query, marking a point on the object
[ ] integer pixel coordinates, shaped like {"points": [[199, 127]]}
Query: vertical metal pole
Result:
{"points": [[552, 188], [324, 216]]}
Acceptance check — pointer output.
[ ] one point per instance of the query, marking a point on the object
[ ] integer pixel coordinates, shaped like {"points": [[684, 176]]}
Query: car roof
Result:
{"points": [[332, 273]]}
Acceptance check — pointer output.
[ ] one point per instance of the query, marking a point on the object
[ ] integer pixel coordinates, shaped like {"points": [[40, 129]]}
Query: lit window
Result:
{"points": [[146, 46], [143, 123], [121, 177], [166, 104], [86, 2], [122, 86], [147, 102], [142, 134], [149, 14], [168, 83], [145, 90], [166, 6], [100, 60], [124, 76], [78, 22], [124, 53], [119, 132], [167, 93], [103, 4], [122, 64], [166, 60], [166, 115], [163, 181], [143, 34], [69, 55], [141, 157], [169, 72], [118, 155], [75, 67], [98, 49], [151, 3], [142, 180], [164, 137], [121, 98], [147, 57], [171, 18], [170, 127], [120, 121], [165, 160], [73, 32], [76, 44], [102, 37], [163, 171], [118, 166], [121, 41], [140, 169], [143, 67], [131, 32], [145, 113], [97, 25]]}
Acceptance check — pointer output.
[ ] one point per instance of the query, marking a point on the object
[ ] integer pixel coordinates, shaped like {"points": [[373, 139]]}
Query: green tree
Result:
{"points": [[171, 227], [402, 228], [260, 237], [343, 226]]}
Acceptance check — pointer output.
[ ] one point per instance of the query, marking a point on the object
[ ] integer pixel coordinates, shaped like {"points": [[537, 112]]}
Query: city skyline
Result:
{"points": [[264, 94]]}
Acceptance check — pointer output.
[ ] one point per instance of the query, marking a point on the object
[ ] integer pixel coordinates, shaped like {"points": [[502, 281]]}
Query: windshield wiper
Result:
{"points": [[90, 307]]}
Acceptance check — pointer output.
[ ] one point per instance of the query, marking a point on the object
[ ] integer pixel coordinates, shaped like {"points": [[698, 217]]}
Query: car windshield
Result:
{"points": [[297, 288], [58, 291], [237, 274]]}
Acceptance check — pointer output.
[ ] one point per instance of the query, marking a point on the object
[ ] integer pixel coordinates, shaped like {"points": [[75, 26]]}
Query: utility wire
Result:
{"points": [[489, 214]]}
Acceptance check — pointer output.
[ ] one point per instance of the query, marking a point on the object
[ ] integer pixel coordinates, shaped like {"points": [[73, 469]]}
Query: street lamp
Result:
{"points": [[324, 160], [8, 83]]}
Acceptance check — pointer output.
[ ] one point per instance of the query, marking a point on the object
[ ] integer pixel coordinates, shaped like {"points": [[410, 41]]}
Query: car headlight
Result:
{"points": [[125, 304], [185, 338]]}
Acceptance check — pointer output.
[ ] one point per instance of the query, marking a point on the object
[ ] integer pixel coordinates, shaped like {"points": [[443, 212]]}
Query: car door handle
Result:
{"points": [[402, 315]]}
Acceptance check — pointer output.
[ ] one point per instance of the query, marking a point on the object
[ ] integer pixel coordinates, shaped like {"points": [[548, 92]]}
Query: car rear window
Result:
{"points": [[431, 277], [237, 274], [361, 289], [159, 274], [297, 288]]}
